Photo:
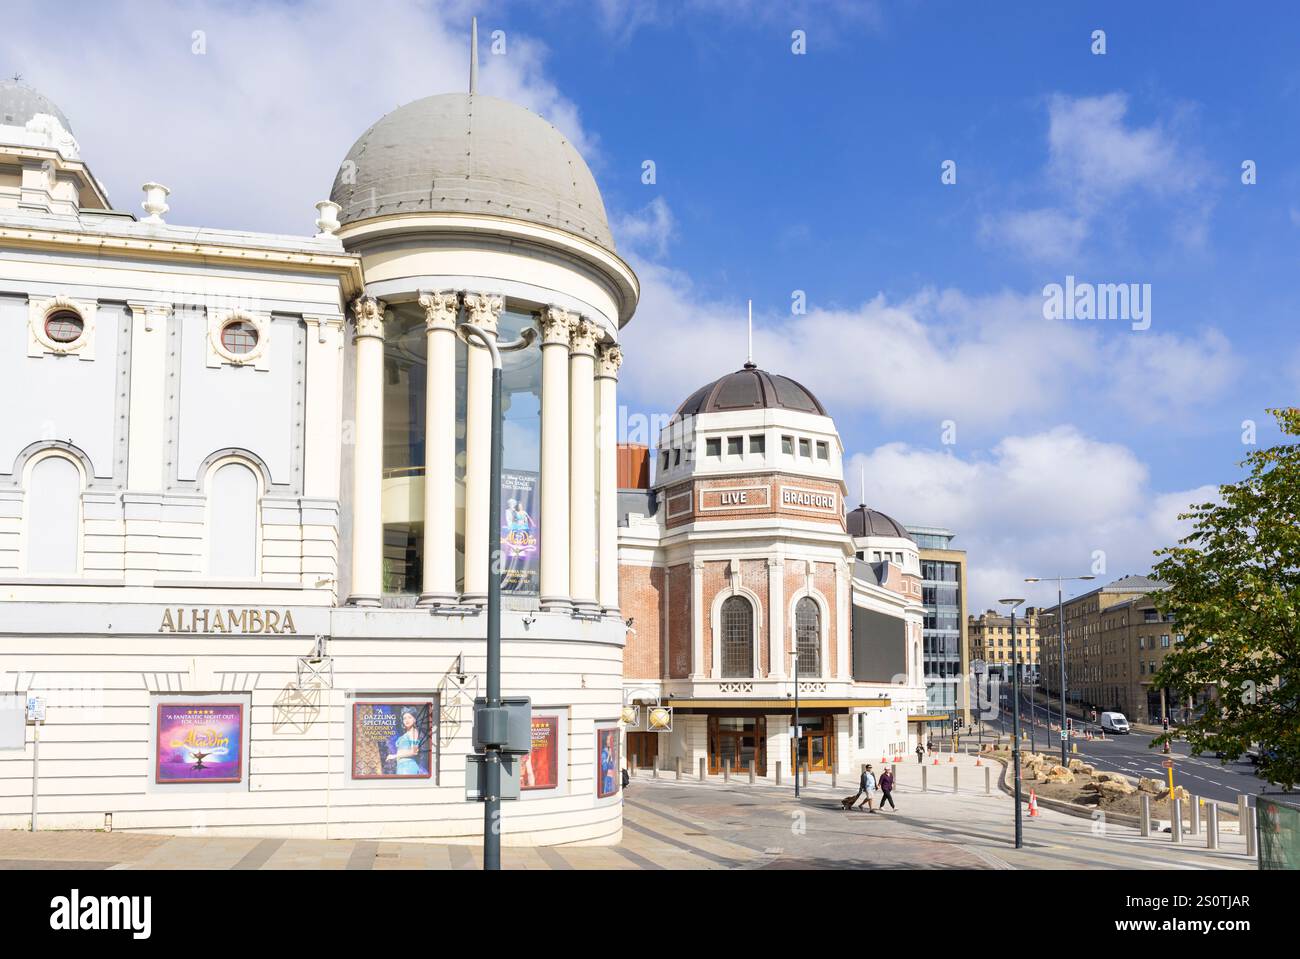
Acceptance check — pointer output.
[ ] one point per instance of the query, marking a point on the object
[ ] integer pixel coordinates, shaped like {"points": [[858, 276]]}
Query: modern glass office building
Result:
{"points": [[944, 642]]}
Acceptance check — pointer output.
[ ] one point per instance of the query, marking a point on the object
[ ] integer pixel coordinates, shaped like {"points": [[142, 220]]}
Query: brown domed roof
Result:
{"points": [[750, 388], [871, 522]]}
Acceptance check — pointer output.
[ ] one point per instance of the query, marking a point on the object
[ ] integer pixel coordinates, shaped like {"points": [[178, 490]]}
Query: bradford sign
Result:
{"points": [[229, 621]]}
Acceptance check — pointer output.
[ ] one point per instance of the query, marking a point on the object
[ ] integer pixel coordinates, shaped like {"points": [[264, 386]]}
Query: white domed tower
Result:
{"points": [[41, 170], [742, 576]]}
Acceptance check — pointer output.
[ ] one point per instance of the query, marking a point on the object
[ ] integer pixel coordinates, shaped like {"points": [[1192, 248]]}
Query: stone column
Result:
{"points": [[697, 621], [557, 328], [776, 618], [439, 586], [610, 359], [582, 465], [368, 454], [484, 310]]}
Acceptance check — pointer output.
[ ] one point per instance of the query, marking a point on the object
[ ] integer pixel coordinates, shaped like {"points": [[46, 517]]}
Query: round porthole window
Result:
{"points": [[64, 327], [239, 337]]}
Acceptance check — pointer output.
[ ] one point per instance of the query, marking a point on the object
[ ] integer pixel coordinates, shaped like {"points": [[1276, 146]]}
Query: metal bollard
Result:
{"points": [[1212, 826], [805, 775], [1252, 839], [835, 780], [655, 768], [894, 769], [925, 779], [702, 761], [1176, 821], [1196, 817], [751, 772], [634, 758], [1243, 803], [988, 781], [678, 764], [778, 772], [1145, 821], [954, 780], [726, 770]]}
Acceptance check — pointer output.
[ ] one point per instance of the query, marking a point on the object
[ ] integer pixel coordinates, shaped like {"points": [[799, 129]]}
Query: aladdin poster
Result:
{"points": [[520, 569], [607, 771], [392, 740], [200, 743], [540, 769]]}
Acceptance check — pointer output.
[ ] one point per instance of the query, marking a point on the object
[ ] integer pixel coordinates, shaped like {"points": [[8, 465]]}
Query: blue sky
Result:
{"points": [[820, 172]]}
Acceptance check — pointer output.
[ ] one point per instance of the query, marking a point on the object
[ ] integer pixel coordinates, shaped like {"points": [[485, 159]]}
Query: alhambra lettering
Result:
{"points": [[236, 621]]}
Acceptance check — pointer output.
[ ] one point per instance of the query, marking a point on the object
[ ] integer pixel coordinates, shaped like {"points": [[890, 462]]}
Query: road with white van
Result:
{"points": [[1133, 756]]}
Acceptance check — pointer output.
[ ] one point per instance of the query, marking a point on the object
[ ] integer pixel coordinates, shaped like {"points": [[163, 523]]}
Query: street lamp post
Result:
{"points": [[492, 751], [1060, 626], [795, 656], [1015, 713]]}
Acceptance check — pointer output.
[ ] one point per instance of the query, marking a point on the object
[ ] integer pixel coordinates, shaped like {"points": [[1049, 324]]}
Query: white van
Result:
{"points": [[1114, 723]]}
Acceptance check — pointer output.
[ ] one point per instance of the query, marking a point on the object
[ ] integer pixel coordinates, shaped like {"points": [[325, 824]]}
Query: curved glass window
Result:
{"points": [[808, 636], [737, 638], [405, 357]]}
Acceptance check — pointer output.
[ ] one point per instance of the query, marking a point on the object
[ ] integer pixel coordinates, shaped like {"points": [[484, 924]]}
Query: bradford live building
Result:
{"points": [[244, 495]]}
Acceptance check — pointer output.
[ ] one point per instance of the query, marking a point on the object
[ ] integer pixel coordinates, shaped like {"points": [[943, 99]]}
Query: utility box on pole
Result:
{"points": [[510, 726]]}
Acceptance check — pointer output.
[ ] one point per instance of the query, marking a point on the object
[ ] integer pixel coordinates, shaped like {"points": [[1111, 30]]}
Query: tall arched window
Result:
{"points": [[233, 523], [737, 638], [54, 517], [808, 636]]}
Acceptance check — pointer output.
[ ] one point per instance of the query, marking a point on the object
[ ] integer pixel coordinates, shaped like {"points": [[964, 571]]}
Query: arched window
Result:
{"points": [[808, 636], [233, 523], [737, 638], [54, 517]]}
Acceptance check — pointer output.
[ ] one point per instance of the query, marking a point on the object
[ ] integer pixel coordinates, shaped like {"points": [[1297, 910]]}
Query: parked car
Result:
{"points": [[1257, 752], [1114, 723]]}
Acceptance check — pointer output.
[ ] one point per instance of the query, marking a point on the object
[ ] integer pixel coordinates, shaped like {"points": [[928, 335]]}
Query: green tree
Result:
{"points": [[1234, 590]]}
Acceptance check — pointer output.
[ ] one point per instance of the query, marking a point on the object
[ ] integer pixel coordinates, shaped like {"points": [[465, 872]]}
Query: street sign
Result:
{"points": [[36, 709], [476, 777], [1168, 764], [1064, 735]]}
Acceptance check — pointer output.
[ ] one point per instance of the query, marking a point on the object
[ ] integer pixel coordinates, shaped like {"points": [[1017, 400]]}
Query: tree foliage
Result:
{"points": [[1234, 590]]}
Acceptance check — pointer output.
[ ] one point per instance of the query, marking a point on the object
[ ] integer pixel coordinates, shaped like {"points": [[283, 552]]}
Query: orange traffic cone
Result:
{"points": [[936, 760], [952, 759], [978, 761], [1033, 804], [884, 760]]}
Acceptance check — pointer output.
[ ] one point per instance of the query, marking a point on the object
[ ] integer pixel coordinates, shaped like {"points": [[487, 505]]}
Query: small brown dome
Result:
{"points": [[751, 389], [862, 522]]}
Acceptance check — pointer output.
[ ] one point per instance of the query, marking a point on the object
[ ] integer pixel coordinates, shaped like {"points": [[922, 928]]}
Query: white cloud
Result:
{"points": [[648, 230], [1095, 158], [985, 361], [1033, 505], [250, 134]]}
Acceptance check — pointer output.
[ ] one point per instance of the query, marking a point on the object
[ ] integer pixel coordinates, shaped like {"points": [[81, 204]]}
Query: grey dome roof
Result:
{"points": [[750, 388], [871, 522], [20, 103], [470, 153]]}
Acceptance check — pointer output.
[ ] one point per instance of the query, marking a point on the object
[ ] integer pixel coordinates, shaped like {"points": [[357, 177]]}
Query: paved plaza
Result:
{"points": [[687, 824]]}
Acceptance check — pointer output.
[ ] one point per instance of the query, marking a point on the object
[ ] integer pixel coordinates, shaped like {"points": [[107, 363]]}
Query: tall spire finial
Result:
{"points": [[862, 479], [749, 361], [473, 55]]}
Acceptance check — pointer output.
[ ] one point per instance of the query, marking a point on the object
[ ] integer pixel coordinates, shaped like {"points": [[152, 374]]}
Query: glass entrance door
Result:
{"points": [[738, 740], [817, 746]]}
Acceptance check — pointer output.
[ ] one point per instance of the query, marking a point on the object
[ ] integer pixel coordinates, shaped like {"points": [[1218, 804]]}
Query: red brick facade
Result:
{"points": [[824, 582], [717, 579], [640, 593], [679, 621]]}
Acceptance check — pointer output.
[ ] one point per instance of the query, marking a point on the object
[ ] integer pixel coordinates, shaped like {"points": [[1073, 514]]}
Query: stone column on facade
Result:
{"points": [[609, 360], [440, 312], [697, 620], [776, 618], [484, 311], [146, 472], [842, 625], [582, 465], [557, 328], [368, 454], [320, 488]]}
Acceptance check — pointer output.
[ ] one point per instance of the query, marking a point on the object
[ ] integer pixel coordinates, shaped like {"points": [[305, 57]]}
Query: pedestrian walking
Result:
{"points": [[920, 753], [866, 785], [887, 790]]}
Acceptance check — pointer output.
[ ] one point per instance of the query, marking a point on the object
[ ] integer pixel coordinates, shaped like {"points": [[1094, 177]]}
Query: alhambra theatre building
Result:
{"points": [[244, 489], [743, 575]]}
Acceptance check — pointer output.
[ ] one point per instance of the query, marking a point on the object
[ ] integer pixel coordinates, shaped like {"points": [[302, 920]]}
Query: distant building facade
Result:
{"points": [[990, 641], [946, 653]]}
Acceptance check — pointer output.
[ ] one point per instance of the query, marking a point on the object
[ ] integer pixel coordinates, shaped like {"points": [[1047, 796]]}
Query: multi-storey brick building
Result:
{"points": [[990, 641], [1115, 642], [739, 571]]}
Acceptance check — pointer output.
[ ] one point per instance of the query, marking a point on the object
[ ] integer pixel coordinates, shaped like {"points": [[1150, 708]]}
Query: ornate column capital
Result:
{"points": [[485, 310], [557, 326], [608, 360], [440, 309], [369, 313], [582, 339]]}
